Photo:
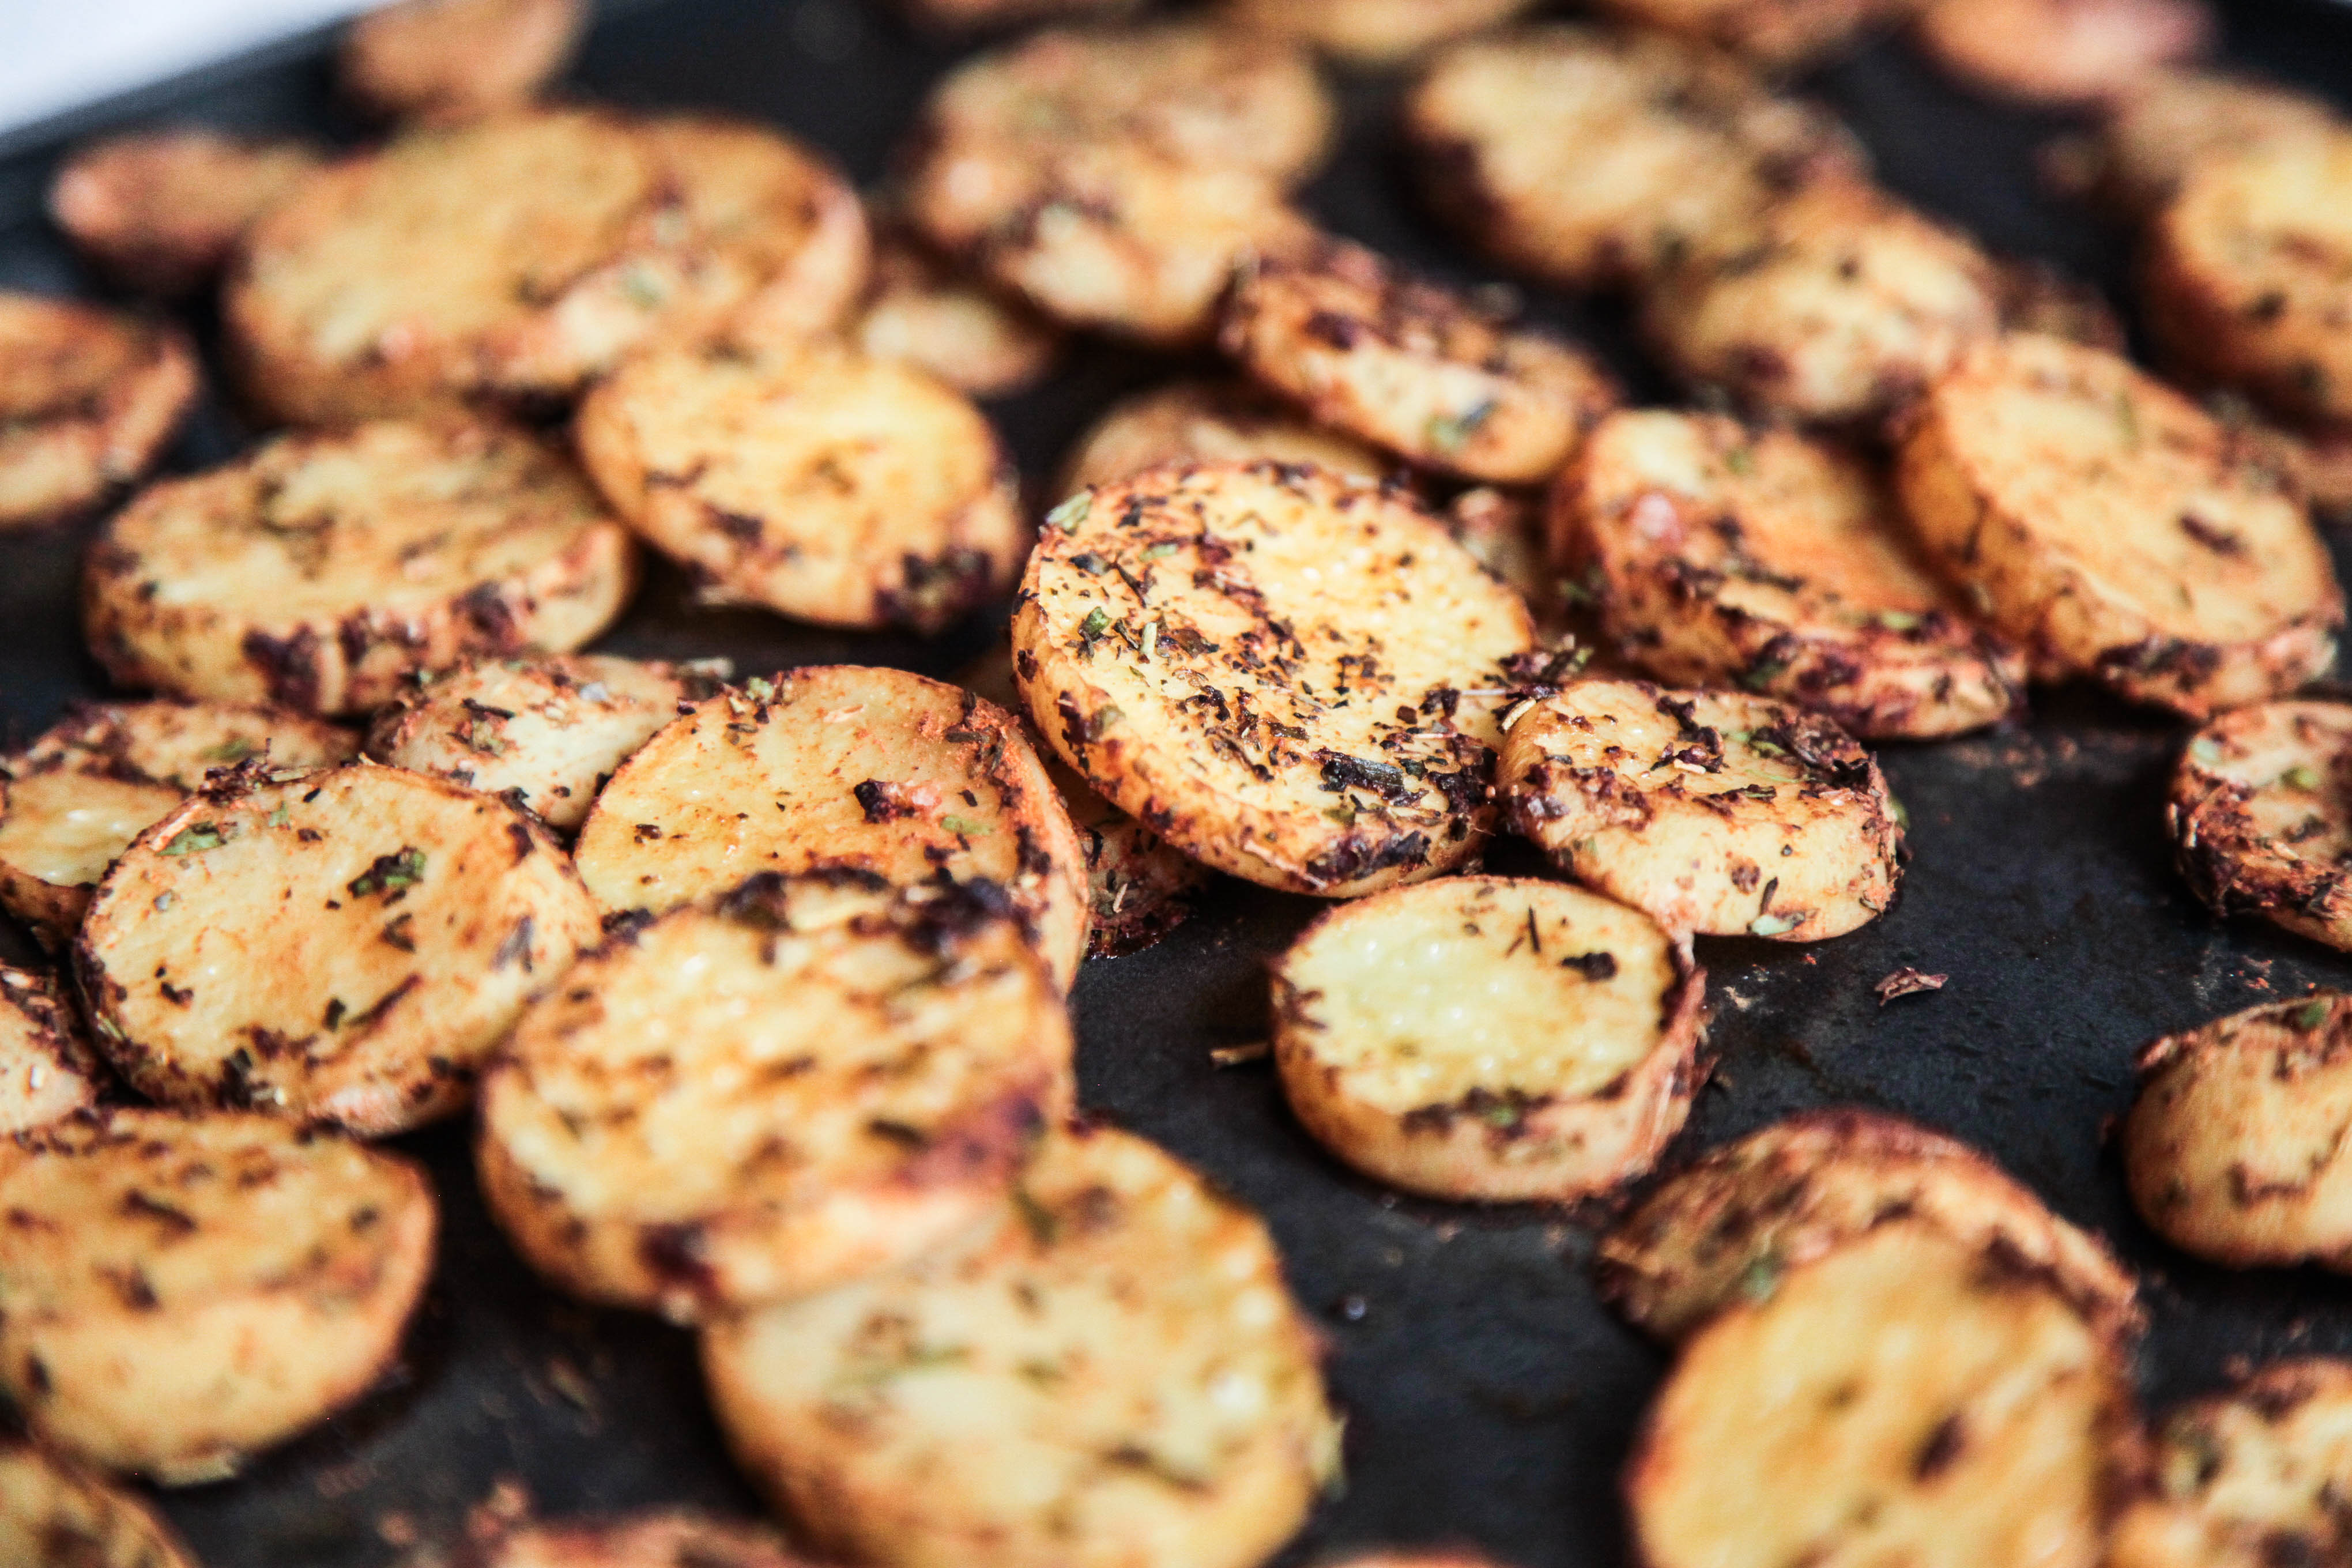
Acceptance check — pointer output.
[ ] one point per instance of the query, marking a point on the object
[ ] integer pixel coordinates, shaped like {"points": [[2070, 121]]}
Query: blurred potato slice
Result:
{"points": [[162, 211], [2169, 122], [54, 1514], [1207, 422], [923, 312], [2259, 819], [1774, 34], [2061, 51], [442, 61], [2254, 1475], [48, 1071], [88, 400], [1370, 32], [664, 1538]]}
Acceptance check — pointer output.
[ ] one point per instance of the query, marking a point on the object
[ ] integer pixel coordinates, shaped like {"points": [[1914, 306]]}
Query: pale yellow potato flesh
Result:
{"points": [[53, 1513], [88, 399], [2259, 819], [1207, 422], [2249, 1475], [48, 1071], [162, 211], [1370, 32], [662, 1538], [2169, 122]]}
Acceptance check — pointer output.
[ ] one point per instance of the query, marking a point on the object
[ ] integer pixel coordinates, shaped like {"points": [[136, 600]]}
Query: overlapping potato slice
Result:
{"points": [[53, 1514], [2252, 1476], [182, 1291], [48, 1069], [1114, 1374], [665, 1538], [2259, 819], [1370, 32], [87, 401], [1772, 32], [442, 61], [2061, 51], [161, 211], [2168, 122], [1207, 422], [2117, 531], [921, 310]]}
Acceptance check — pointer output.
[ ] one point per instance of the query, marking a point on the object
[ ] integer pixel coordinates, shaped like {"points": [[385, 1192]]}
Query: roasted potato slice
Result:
{"points": [[1268, 665], [545, 733], [812, 1080], [2169, 122], [961, 16], [1370, 32], [72, 801], [1837, 305], [1729, 1227], [1412, 367], [2115, 529], [46, 1069], [665, 1538], [444, 61], [926, 313], [827, 486], [2234, 1148], [1775, 33], [1589, 157], [2252, 1476], [1716, 813], [1489, 1038], [2260, 818], [54, 1514], [2061, 51], [346, 947], [1503, 530], [1725, 554], [834, 767], [161, 211], [184, 1290], [88, 399], [1207, 422], [323, 572], [1905, 1398], [1114, 1374]]}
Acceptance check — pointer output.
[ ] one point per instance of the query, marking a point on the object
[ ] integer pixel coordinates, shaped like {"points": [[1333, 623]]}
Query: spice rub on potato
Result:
{"points": [[442, 61], [829, 487], [1716, 813], [2259, 819], [1289, 675], [1729, 1227], [1727, 554], [346, 946], [923, 312], [1489, 1038], [2114, 530], [1370, 32], [72, 801], [1773, 34], [161, 211], [185, 1290], [841, 767], [88, 399], [748, 1101], [1113, 1373], [322, 572], [1908, 1397], [1208, 422], [54, 1512], [48, 1069], [650, 1537], [1412, 367], [2060, 51], [1590, 157]]}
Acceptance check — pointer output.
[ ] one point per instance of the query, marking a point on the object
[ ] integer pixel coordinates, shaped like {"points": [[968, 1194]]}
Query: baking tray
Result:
{"points": [[1491, 1397]]}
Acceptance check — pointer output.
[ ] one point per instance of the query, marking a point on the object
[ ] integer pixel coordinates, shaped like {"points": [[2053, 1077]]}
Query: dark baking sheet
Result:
{"points": [[1491, 1397]]}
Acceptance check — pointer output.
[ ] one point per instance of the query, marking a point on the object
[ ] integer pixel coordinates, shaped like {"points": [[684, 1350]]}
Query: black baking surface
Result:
{"points": [[1491, 1397]]}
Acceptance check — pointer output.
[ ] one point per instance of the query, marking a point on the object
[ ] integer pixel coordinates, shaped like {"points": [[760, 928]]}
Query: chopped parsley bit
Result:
{"points": [[2300, 777], [1450, 433], [761, 688], [2127, 420], [1740, 460], [231, 751], [2312, 1014], [644, 289], [1166, 547], [1042, 1226], [2205, 750], [1345, 815], [480, 737], [404, 869], [279, 816], [1104, 718], [1097, 622], [1071, 513], [1898, 810], [1761, 1278], [1898, 620], [1761, 674], [963, 826], [195, 839], [1509, 1113], [1772, 925]]}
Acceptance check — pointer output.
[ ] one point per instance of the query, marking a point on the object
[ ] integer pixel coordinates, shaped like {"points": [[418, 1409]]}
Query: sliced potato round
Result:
{"points": [[812, 1080], [2252, 1476], [1729, 1227], [2061, 51], [2260, 818], [2235, 1148], [1114, 1375], [346, 947], [72, 801], [1725, 554], [161, 211], [1489, 1038], [182, 1291], [1907, 1398], [1716, 813], [1411, 367], [833, 488], [46, 1069], [1266, 666], [1836, 305], [54, 1514], [1502, 530], [442, 61], [650, 1539], [921, 310], [87, 401], [834, 767], [963, 15], [2169, 122], [545, 733], [1370, 32], [2115, 529], [1771, 33], [1589, 157], [1207, 422], [323, 572]]}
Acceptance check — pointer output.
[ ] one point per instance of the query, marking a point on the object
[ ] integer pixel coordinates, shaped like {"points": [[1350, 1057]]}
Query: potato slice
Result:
{"points": [[161, 211], [812, 1080], [323, 572], [923, 312], [1266, 666], [184, 1291], [966, 16], [46, 1069], [2117, 531], [1907, 1398], [1412, 367], [346, 947], [1589, 157], [1207, 422], [1115, 1375], [72, 801], [1725, 554], [1489, 1038], [88, 400], [841, 766], [1717, 814], [2061, 51], [2169, 122], [1836, 305], [444, 61], [839, 490], [663, 1538], [1502, 530], [1728, 1229], [2259, 819], [1370, 32], [2235, 1148], [2252, 1476], [1776, 34], [54, 1514]]}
